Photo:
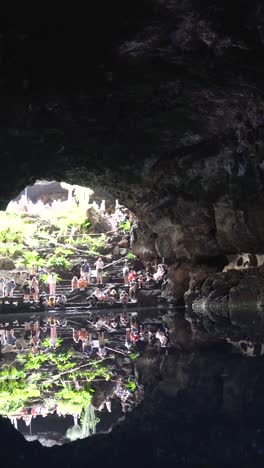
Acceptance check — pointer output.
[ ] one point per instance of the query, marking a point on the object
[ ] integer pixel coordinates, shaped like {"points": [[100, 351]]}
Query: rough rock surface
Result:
{"points": [[6, 263], [161, 103], [166, 112], [230, 303]]}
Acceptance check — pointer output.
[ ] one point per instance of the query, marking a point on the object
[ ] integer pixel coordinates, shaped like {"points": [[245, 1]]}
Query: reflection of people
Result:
{"points": [[53, 331], [102, 350]]}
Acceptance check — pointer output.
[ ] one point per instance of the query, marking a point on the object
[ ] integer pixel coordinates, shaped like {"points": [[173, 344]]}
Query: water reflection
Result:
{"points": [[53, 369]]}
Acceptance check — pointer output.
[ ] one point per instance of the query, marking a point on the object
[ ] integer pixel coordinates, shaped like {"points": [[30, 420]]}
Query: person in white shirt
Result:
{"points": [[99, 265], [52, 284]]}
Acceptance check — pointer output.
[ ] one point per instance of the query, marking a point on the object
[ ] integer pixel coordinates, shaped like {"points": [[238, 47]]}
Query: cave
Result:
{"points": [[161, 104]]}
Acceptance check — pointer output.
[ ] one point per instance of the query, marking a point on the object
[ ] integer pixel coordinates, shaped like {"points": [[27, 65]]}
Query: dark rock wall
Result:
{"points": [[159, 102]]}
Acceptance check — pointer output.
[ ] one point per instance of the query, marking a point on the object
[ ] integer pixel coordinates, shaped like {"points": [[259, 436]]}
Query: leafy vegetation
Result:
{"points": [[131, 385], [58, 262], [133, 356], [131, 256], [44, 278], [126, 226], [57, 373], [32, 258]]}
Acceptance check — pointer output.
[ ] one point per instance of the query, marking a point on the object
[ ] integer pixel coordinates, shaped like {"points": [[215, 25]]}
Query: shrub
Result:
{"points": [[126, 225], [131, 256], [58, 262], [44, 278], [32, 258]]}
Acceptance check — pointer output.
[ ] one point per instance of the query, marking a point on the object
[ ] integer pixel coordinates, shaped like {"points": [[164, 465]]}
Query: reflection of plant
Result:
{"points": [[131, 256], [35, 362], [131, 385], [133, 356], [126, 225], [46, 343], [88, 425]]}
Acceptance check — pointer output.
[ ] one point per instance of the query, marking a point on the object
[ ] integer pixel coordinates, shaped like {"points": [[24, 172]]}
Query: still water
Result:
{"points": [[71, 375]]}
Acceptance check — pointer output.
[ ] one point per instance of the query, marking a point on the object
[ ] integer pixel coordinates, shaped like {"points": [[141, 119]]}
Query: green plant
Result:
{"points": [[45, 278], [46, 342], [133, 356], [131, 256], [32, 258], [131, 385], [61, 252], [126, 225], [11, 249], [58, 262]]}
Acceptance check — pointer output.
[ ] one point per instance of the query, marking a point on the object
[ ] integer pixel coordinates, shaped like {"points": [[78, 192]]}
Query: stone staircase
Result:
{"points": [[113, 278]]}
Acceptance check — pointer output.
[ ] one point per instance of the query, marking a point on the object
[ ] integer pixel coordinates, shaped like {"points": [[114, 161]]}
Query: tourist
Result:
{"points": [[98, 294], [141, 282], [99, 265], [2, 286], [32, 271], [158, 276], [82, 283], [43, 300], [149, 283], [51, 301], [133, 289], [126, 273], [9, 288], [86, 271], [74, 283], [106, 295], [61, 300], [92, 300], [34, 288], [52, 284], [26, 290]]}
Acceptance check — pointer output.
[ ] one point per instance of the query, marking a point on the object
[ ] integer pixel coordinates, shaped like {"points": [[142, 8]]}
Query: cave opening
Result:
{"points": [[67, 360]]}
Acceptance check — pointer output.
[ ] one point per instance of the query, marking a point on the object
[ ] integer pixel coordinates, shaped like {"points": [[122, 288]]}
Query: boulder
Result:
{"points": [[6, 263]]}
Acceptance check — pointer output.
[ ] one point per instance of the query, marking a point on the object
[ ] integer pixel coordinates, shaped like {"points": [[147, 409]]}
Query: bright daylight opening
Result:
{"points": [[69, 326]]}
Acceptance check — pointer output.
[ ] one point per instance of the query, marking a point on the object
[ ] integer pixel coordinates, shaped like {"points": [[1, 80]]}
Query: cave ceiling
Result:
{"points": [[160, 102]]}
